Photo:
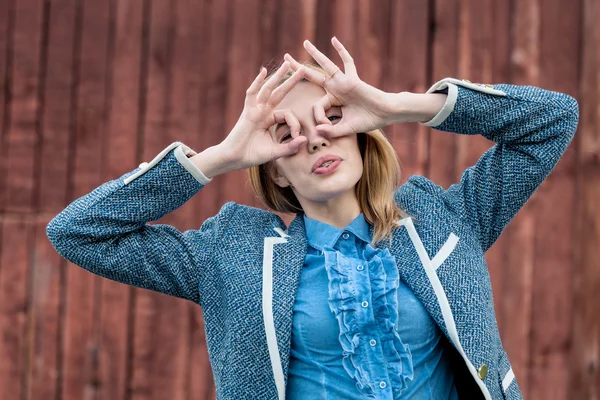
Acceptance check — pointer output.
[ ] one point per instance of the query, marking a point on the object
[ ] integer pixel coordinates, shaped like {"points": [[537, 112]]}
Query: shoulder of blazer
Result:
{"points": [[243, 215], [418, 194], [415, 190]]}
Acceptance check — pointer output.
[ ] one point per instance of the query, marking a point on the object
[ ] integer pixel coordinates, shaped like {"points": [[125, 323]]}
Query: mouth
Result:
{"points": [[327, 167], [325, 161]]}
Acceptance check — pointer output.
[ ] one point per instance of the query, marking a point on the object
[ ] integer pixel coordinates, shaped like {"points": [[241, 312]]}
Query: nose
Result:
{"points": [[316, 140]]}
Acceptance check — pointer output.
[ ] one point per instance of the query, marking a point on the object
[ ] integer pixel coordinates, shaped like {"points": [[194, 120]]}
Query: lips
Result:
{"points": [[324, 159]]}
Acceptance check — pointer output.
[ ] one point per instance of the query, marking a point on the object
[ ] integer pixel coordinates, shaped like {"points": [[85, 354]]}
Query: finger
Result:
{"points": [[279, 93], [286, 116], [349, 67], [290, 148], [293, 63], [255, 86], [328, 65], [310, 74], [268, 87], [319, 108], [336, 130], [314, 76]]}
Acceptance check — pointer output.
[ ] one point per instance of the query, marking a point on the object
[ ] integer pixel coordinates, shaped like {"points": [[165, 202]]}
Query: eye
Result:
{"points": [[333, 117], [285, 137]]}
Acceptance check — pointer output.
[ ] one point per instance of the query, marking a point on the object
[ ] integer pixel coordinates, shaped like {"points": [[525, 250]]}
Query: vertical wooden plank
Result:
{"points": [[161, 340], [296, 24], [6, 34], [343, 18], [324, 30], [269, 28], [18, 151], [552, 283], [14, 274], [372, 41], [56, 125], [121, 155], [242, 67], [584, 370], [44, 316], [406, 70]]}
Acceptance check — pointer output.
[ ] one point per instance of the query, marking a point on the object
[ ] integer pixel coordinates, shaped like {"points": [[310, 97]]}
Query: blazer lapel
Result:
{"points": [[412, 272], [288, 260]]}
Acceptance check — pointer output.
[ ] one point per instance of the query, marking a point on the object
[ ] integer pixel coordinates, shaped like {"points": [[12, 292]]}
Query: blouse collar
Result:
{"points": [[320, 234]]}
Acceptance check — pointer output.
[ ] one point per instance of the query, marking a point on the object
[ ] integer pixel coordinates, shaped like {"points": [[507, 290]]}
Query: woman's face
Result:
{"points": [[297, 169]]}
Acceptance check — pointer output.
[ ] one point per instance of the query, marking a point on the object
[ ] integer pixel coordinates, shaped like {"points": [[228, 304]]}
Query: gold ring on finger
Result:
{"points": [[336, 71]]}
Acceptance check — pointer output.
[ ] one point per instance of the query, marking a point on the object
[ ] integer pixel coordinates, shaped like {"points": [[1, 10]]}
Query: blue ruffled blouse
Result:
{"points": [[358, 331]]}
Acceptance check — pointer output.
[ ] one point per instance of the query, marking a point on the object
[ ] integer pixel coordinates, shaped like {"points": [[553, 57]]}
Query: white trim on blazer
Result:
{"points": [[434, 280], [267, 306]]}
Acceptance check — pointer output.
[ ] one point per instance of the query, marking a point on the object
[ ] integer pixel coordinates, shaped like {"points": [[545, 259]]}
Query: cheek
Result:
{"points": [[289, 167]]}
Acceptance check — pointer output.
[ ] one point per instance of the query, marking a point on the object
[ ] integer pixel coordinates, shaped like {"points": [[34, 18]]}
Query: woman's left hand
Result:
{"points": [[364, 107]]}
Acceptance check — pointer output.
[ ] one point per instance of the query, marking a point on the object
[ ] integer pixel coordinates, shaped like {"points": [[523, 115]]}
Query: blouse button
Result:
{"points": [[365, 304], [345, 236], [372, 342], [360, 267], [382, 384]]}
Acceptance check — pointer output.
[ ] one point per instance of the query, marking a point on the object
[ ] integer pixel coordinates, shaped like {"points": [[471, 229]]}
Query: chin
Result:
{"points": [[330, 190]]}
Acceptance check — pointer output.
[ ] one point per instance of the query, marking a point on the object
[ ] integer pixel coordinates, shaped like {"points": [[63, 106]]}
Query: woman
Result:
{"points": [[372, 291]]}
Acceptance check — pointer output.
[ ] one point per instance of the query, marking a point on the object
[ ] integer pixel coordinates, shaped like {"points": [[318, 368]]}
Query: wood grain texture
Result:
{"points": [[60, 85], [44, 317], [15, 261], [584, 363], [21, 132], [7, 17]]}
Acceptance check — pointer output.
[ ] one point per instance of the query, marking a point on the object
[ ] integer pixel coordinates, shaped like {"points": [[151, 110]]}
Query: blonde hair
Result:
{"points": [[374, 191]]}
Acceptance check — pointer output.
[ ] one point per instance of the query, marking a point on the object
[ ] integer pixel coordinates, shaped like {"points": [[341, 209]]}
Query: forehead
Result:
{"points": [[302, 96]]}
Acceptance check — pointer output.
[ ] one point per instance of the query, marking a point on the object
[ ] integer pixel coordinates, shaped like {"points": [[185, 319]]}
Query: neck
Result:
{"points": [[338, 211]]}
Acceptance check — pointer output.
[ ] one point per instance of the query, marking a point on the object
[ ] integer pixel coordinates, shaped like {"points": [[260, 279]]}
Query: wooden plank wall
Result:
{"points": [[89, 89]]}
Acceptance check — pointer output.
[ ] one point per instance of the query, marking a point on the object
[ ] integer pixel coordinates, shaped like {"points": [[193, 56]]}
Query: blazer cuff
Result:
{"points": [[182, 152], [450, 85]]}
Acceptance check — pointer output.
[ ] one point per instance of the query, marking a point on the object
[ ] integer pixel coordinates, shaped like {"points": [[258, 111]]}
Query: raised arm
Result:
{"points": [[531, 127], [107, 231]]}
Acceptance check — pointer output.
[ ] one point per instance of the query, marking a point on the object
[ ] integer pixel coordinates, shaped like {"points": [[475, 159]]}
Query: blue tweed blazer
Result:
{"points": [[243, 265]]}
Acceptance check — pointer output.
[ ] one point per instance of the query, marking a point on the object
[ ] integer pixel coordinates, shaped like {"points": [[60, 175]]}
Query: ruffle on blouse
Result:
{"points": [[348, 288]]}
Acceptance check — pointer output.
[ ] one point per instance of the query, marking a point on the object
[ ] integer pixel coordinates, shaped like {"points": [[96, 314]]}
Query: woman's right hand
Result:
{"points": [[250, 142]]}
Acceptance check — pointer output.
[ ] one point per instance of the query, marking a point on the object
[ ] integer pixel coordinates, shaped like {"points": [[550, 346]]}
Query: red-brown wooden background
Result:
{"points": [[89, 89]]}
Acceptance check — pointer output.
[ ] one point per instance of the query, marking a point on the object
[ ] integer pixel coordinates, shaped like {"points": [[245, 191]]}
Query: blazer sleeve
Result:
{"points": [[107, 233], [531, 127]]}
